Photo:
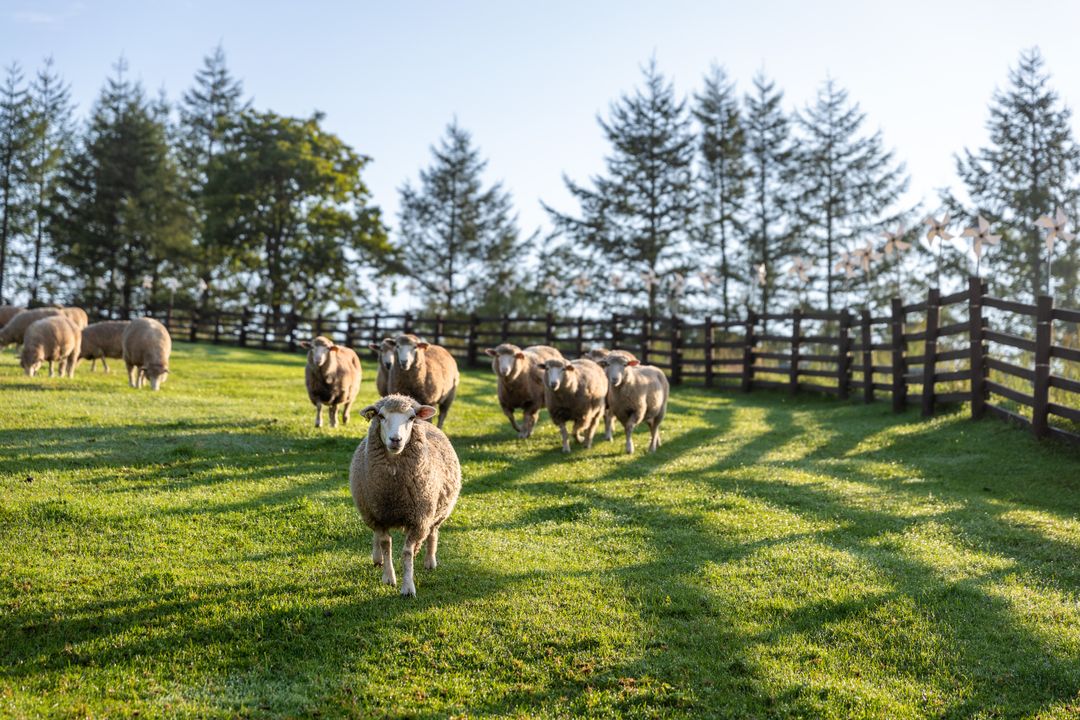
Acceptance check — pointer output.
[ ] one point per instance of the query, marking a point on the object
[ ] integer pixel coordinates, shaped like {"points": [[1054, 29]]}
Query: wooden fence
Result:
{"points": [[962, 347]]}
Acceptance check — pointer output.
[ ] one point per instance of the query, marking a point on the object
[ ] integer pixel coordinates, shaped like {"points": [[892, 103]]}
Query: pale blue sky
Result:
{"points": [[529, 79]]}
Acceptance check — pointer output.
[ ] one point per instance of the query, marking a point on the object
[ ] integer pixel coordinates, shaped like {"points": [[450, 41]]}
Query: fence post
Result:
{"points": [[504, 330], [292, 332], [194, 333], [549, 329], [580, 336], [470, 351], [843, 356], [793, 371], [748, 352], [245, 318], [646, 338], [616, 331], [318, 325], [709, 338], [168, 317], [440, 328], [1040, 411], [899, 384], [976, 290], [676, 350], [930, 352], [867, 358], [407, 323], [217, 327], [350, 334]]}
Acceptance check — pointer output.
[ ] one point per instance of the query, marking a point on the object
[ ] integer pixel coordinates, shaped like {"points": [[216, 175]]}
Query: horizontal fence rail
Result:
{"points": [[961, 347]]}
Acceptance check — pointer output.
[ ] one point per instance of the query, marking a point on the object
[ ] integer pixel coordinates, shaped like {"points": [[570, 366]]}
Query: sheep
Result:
{"points": [[521, 381], [13, 331], [636, 393], [385, 351], [103, 340], [147, 346], [76, 315], [427, 373], [51, 339], [575, 391], [332, 376], [9, 311], [597, 354], [404, 474]]}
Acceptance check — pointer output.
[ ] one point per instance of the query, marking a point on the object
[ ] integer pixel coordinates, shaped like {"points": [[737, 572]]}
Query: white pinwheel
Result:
{"points": [[581, 283], [202, 287], [616, 280], [118, 282], [147, 282], [552, 287], [678, 283], [894, 241], [102, 283], [707, 278], [172, 284], [866, 255], [1056, 228], [760, 274], [980, 235], [799, 268], [649, 278], [846, 264], [938, 228]]}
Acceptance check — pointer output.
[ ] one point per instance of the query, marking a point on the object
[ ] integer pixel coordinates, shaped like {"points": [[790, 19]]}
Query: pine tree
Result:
{"points": [[15, 136], [636, 218], [209, 119], [53, 130], [1029, 169], [466, 233], [723, 178], [847, 183], [769, 157]]}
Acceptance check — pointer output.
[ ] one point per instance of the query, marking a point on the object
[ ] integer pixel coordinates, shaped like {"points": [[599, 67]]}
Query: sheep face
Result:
{"points": [[319, 350], [396, 415], [32, 368], [385, 351], [508, 360], [408, 351], [555, 373], [615, 365], [156, 374]]}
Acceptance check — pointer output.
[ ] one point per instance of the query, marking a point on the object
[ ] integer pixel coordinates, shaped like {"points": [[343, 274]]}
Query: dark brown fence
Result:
{"points": [[1016, 361]]}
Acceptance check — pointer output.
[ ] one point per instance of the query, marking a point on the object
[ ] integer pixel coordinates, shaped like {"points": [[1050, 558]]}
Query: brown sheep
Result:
{"points": [[427, 373], [9, 311], [147, 347], [13, 331], [574, 391], [597, 354], [332, 375], [521, 381], [404, 474], [103, 340], [385, 353], [636, 394], [51, 339]]}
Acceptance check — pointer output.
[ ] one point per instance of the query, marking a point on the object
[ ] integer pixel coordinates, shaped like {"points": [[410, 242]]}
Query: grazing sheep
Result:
{"points": [[76, 315], [575, 391], [636, 393], [597, 354], [385, 351], [404, 474], [147, 347], [51, 339], [13, 331], [7, 312], [521, 381], [427, 373], [103, 340], [332, 376]]}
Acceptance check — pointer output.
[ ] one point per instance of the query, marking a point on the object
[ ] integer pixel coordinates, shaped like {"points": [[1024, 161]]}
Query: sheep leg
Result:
{"points": [[432, 547], [609, 422], [579, 426], [72, 360], [50, 368], [104, 364], [590, 430], [509, 413], [318, 414], [444, 406], [629, 427], [529, 422], [142, 377], [376, 550], [93, 363], [345, 413], [565, 438], [132, 371], [654, 430], [412, 544], [333, 416], [386, 544]]}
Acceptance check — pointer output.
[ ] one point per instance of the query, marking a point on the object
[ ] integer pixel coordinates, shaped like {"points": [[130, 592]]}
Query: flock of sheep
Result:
{"points": [[63, 336], [406, 474]]}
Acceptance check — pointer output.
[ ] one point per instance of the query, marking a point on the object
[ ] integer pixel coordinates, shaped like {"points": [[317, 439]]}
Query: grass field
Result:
{"points": [[195, 553]]}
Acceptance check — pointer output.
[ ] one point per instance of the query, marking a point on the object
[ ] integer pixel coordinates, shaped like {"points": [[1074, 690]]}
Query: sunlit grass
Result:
{"points": [[195, 553]]}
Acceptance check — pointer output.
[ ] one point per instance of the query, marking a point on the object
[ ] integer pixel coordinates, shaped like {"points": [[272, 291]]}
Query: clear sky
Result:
{"points": [[528, 79]]}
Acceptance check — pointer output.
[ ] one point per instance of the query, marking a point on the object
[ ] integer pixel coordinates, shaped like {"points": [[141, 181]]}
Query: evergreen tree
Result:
{"points": [[209, 119], [847, 183], [15, 137], [288, 195], [723, 178], [466, 233], [53, 130], [1029, 169], [636, 218], [769, 157], [119, 213]]}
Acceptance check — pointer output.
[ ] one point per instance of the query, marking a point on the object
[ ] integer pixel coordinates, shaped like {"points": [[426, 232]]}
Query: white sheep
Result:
{"points": [[51, 339], [521, 381], [385, 353], [103, 340], [636, 394], [332, 376], [574, 391], [147, 347], [425, 372]]}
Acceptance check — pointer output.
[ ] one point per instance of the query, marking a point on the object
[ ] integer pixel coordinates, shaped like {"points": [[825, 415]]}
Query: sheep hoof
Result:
{"points": [[430, 563], [408, 589], [389, 579], [565, 449]]}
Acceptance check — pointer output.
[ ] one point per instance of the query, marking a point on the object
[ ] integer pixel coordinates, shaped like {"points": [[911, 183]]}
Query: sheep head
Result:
{"points": [[385, 351], [557, 373], [409, 349], [394, 416], [319, 350], [615, 365], [507, 360]]}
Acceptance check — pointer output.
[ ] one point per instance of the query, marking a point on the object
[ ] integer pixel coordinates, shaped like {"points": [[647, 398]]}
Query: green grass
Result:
{"points": [[195, 553]]}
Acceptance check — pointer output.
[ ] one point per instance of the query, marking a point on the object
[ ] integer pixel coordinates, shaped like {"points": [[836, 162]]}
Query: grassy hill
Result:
{"points": [[195, 553]]}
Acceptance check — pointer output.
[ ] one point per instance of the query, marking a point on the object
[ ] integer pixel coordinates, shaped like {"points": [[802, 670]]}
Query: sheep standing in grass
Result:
{"points": [[9, 311], [76, 315], [385, 352], [103, 340], [574, 391], [636, 394], [427, 373], [521, 381], [13, 331], [404, 474], [52, 339], [597, 354], [333, 378], [147, 347]]}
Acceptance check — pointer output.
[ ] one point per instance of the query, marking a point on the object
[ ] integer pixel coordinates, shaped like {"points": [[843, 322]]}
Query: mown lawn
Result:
{"points": [[195, 553]]}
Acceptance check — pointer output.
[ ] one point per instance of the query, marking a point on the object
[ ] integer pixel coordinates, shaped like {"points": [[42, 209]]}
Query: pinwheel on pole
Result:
{"points": [[939, 230], [172, 285], [1055, 227], [895, 243], [980, 235], [846, 264], [800, 270]]}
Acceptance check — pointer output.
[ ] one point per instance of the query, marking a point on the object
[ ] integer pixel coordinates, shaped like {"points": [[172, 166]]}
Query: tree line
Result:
{"points": [[706, 203]]}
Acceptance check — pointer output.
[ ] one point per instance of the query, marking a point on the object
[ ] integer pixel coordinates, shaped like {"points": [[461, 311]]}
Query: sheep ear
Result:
{"points": [[519, 355], [305, 344], [421, 345], [602, 362], [632, 363], [391, 342], [425, 412], [542, 366], [373, 346], [568, 367], [369, 411], [490, 351]]}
